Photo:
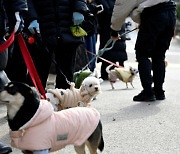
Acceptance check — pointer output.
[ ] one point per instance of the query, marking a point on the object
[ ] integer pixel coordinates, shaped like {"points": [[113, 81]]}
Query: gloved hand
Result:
{"points": [[34, 25], [19, 23], [77, 18], [115, 35]]}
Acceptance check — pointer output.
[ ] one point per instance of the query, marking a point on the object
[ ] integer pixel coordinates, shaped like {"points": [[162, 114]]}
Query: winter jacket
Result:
{"points": [[55, 18], [7, 15], [54, 130], [124, 8], [7, 10]]}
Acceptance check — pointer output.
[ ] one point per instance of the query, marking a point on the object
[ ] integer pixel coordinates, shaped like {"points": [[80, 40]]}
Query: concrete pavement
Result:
{"points": [[134, 127]]}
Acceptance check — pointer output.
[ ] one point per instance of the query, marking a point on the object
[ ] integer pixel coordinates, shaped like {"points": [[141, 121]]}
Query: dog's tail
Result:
{"points": [[108, 68], [101, 143]]}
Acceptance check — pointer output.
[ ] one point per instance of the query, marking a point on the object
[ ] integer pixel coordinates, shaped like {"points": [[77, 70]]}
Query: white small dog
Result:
{"points": [[62, 99], [124, 74]]}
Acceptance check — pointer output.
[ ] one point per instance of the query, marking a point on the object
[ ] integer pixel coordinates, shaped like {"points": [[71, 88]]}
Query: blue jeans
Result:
{"points": [[90, 44]]}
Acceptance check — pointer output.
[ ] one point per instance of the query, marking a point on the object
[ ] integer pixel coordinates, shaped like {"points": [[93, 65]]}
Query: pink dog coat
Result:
{"points": [[54, 130]]}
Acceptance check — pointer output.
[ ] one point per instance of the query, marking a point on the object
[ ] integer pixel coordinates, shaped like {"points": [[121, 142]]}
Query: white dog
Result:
{"points": [[62, 99], [124, 74]]}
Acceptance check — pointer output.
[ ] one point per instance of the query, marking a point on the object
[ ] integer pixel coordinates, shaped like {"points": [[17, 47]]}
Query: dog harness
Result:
{"points": [[54, 130], [68, 98]]}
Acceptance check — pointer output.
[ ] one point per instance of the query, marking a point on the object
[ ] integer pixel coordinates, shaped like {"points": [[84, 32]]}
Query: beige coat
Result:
{"points": [[124, 8], [54, 130]]}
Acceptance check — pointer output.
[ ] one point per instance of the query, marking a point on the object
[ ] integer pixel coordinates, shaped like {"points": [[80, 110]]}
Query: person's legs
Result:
{"points": [[65, 58], [104, 74], [158, 57], [144, 47], [144, 67], [42, 60], [151, 28], [90, 43]]}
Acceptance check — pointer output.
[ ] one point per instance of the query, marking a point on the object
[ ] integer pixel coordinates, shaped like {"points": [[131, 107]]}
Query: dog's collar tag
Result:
{"points": [[62, 137]]}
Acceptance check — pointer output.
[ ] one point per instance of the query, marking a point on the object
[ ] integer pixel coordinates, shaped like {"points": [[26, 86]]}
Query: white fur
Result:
{"points": [[54, 100], [13, 102]]}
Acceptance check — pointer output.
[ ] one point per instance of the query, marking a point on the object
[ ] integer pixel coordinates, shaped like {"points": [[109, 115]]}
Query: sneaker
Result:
{"points": [[143, 97], [4, 149], [160, 97]]}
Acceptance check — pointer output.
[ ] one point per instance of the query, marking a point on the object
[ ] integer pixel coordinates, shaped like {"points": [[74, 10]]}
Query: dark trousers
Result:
{"points": [[154, 37], [64, 56], [17, 70], [3, 57], [65, 59]]}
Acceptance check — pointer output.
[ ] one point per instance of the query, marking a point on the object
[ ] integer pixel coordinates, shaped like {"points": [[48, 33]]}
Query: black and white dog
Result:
{"points": [[35, 126]]}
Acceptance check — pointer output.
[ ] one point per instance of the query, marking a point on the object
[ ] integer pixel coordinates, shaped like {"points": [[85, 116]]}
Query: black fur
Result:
{"points": [[30, 105], [101, 145], [98, 134]]}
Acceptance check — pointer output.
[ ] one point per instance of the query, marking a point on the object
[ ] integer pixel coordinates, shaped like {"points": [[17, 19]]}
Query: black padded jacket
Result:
{"points": [[55, 18]]}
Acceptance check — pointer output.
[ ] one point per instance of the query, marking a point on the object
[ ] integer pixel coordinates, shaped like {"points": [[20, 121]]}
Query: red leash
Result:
{"points": [[106, 60], [7, 43], [30, 65]]}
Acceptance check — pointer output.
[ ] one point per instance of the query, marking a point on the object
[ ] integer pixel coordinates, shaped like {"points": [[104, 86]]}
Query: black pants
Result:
{"points": [[65, 59], [154, 36]]}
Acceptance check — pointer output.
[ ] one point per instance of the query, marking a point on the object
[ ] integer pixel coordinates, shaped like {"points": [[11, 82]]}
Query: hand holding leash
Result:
{"points": [[77, 18], [34, 27]]}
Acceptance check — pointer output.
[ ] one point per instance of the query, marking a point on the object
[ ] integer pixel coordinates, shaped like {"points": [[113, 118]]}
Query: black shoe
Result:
{"points": [[4, 149], [144, 97], [159, 94], [160, 97]]}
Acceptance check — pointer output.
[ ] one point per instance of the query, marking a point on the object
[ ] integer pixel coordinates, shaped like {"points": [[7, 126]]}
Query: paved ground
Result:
{"points": [[133, 127]]}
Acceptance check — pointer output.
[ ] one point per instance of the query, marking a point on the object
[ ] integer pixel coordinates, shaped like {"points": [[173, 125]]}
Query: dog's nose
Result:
{"points": [[96, 88]]}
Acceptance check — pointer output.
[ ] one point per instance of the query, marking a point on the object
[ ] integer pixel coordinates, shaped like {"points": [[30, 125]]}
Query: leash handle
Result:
{"points": [[8, 42]]}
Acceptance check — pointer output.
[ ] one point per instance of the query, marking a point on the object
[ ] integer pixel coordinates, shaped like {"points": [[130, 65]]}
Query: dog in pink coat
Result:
{"points": [[35, 126]]}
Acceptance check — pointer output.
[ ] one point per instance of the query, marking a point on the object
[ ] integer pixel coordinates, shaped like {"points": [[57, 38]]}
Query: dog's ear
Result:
{"points": [[130, 68], [83, 90]]}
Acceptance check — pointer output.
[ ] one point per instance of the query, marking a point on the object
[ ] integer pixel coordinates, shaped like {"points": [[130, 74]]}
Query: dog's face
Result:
{"points": [[90, 86], [133, 71], [14, 95]]}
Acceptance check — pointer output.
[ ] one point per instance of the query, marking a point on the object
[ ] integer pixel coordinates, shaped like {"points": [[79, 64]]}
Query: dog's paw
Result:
{"points": [[81, 104]]}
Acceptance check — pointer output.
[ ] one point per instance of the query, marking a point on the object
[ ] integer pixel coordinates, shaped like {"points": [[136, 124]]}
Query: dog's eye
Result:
{"points": [[90, 85], [62, 93], [12, 90]]}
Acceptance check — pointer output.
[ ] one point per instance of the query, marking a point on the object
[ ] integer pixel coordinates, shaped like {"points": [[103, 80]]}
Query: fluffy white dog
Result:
{"points": [[62, 99]]}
